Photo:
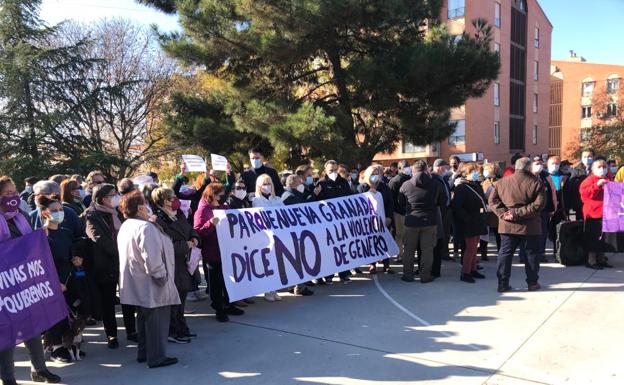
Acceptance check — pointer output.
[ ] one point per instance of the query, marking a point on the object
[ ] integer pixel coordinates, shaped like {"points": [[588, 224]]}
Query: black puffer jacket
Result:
{"points": [[420, 199], [469, 206], [105, 253]]}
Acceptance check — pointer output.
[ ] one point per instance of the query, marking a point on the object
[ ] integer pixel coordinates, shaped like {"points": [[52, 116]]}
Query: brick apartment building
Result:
{"points": [[578, 92], [513, 115]]}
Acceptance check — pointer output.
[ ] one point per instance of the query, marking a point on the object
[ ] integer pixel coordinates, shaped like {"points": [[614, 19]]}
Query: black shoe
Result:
{"points": [[167, 362], [605, 265], [329, 281], [190, 335], [141, 360], [113, 343], [222, 316], [179, 340], [134, 337], [45, 376], [345, 280], [405, 279], [476, 274], [233, 310], [304, 292], [534, 287], [595, 266], [504, 289], [61, 355], [466, 278], [117, 301], [479, 267], [9, 382], [485, 258], [91, 321]]}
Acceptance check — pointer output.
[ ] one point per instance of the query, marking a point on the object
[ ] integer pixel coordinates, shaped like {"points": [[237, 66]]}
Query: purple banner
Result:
{"points": [[613, 208], [31, 299]]}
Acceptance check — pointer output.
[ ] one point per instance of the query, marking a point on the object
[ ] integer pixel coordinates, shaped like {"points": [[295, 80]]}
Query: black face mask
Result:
{"points": [[222, 199]]}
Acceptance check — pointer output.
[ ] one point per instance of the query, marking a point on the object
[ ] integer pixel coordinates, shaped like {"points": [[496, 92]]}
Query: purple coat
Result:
{"points": [[207, 231]]}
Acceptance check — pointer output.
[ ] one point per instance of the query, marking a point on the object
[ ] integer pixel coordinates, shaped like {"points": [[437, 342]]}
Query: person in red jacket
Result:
{"points": [[206, 227], [592, 196]]}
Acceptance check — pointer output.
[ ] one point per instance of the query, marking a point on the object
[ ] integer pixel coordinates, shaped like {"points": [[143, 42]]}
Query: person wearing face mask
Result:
{"points": [[52, 190], [613, 169], [27, 195], [205, 225], [469, 208], [305, 173], [571, 191], [172, 220], [344, 173], [592, 195], [405, 174], [374, 184], [103, 226], [61, 242], [184, 190], [491, 175], [439, 172], [537, 168], [557, 180], [256, 157], [72, 196], [238, 196], [13, 224], [619, 174], [147, 278]]}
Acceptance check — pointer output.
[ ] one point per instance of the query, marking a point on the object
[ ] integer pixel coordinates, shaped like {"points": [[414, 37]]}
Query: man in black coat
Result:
{"points": [[420, 198], [441, 251], [333, 186], [571, 192], [256, 157], [405, 174]]}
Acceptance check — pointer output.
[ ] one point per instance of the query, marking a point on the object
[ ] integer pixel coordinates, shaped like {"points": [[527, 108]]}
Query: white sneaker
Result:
{"points": [[196, 296], [277, 296], [269, 296]]}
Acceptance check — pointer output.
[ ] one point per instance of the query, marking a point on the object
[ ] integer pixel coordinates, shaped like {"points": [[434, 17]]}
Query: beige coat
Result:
{"points": [[146, 265]]}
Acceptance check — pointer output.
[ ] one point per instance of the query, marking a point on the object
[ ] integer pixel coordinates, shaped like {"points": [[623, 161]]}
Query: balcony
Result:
{"points": [[456, 13]]}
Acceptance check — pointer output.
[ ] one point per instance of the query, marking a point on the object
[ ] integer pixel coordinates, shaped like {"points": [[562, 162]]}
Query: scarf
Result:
{"points": [[112, 212], [172, 215], [20, 222]]}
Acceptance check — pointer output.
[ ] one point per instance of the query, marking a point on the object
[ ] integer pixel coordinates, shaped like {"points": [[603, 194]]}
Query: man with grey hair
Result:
{"points": [[52, 190], [420, 199], [125, 186], [518, 200]]}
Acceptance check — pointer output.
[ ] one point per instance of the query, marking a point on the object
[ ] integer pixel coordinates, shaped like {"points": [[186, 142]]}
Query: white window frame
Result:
{"points": [[612, 110], [613, 81], [497, 133], [586, 112], [497, 94], [535, 102], [536, 38], [536, 70], [534, 134], [588, 84], [497, 15]]}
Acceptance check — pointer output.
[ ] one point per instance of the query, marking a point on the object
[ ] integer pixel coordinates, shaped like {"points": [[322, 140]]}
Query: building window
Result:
{"points": [[497, 48], [613, 85], [536, 38], [497, 94], [411, 148], [496, 132], [611, 110], [459, 136], [497, 15], [534, 135], [455, 9], [536, 70], [586, 112], [588, 88], [585, 134], [535, 101]]}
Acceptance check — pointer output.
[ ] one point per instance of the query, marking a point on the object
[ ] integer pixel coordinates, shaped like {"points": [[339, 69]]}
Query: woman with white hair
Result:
{"points": [[373, 183], [265, 197]]}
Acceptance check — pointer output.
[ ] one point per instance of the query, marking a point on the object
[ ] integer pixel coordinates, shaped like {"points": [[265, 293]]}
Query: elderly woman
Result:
{"points": [[265, 197], [13, 224], [592, 195], [373, 183], [469, 208], [147, 281], [172, 220], [103, 226], [205, 225]]}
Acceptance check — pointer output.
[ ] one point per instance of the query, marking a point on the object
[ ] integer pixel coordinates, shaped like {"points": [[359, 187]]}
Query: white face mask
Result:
{"points": [[57, 217], [486, 173], [553, 168], [115, 201], [537, 168], [333, 175], [301, 188], [600, 171], [407, 171], [240, 194], [266, 189]]}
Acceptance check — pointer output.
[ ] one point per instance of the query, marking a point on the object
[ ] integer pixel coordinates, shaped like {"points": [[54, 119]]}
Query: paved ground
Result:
{"points": [[391, 332]]}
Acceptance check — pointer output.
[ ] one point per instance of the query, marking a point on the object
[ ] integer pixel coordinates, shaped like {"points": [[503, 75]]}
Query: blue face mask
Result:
{"points": [[256, 163], [474, 176], [29, 189], [374, 179], [309, 181]]}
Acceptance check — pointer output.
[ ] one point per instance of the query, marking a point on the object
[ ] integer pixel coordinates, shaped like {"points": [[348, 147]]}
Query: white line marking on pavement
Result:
{"points": [[409, 313]]}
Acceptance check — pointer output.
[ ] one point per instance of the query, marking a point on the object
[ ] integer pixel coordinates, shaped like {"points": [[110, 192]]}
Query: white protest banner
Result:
{"points": [[265, 249], [194, 163], [185, 206], [219, 162]]}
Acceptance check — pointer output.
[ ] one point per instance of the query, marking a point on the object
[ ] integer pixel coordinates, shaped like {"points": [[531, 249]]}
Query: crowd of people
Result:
{"points": [[140, 244]]}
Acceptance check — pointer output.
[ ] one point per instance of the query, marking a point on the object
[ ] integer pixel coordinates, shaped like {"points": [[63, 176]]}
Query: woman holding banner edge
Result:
{"points": [[265, 197], [14, 224]]}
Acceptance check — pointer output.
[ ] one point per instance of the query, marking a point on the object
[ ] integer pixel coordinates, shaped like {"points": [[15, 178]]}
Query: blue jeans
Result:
{"points": [[509, 244]]}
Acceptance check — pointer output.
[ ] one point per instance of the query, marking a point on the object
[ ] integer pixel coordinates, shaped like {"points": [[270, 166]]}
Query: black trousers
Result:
{"points": [[54, 335], [178, 326], [439, 251], [509, 244], [218, 293], [108, 295]]}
